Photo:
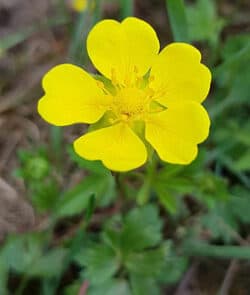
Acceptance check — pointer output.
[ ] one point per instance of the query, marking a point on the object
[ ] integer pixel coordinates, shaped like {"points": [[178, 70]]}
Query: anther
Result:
{"points": [[101, 85], [136, 69], [151, 78], [113, 76]]}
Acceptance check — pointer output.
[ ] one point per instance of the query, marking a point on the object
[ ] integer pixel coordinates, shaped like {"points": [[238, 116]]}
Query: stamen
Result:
{"points": [[101, 85], [127, 80], [114, 77], [112, 120], [136, 70], [151, 78]]}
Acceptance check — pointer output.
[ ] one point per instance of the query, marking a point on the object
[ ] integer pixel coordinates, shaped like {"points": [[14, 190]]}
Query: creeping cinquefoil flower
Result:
{"points": [[152, 99]]}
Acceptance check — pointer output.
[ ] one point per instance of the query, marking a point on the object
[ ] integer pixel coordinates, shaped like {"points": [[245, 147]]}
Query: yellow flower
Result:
{"points": [[154, 99], [79, 5]]}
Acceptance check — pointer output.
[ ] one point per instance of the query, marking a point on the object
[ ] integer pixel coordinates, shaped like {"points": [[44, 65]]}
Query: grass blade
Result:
{"points": [[178, 19]]}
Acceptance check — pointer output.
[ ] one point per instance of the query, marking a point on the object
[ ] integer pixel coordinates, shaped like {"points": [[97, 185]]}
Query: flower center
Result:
{"points": [[130, 104]]}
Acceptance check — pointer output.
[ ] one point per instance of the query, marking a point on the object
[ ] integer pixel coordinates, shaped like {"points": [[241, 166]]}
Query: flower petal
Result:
{"points": [[118, 49], [175, 132], [118, 147], [71, 96], [178, 74]]}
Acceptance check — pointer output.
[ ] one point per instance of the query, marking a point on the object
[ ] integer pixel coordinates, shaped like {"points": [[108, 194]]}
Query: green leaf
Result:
{"points": [[147, 263], [144, 285], [221, 224], [101, 263], [72, 289], [77, 199], [142, 229], [211, 189], [233, 73], [49, 265], [24, 254], [14, 39], [240, 204], [20, 252], [170, 201], [174, 268], [95, 167], [234, 44], [243, 162], [111, 287], [170, 184], [45, 195], [90, 209], [203, 22], [178, 20]]}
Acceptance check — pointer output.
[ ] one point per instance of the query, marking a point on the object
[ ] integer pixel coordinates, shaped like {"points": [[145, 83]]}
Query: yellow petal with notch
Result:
{"points": [[118, 49], [177, 74], [175, 132], [71, 96], [118, 147]]}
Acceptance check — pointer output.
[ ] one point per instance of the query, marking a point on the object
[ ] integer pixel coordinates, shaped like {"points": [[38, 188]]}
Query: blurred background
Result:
{"points": [[55, 236]]}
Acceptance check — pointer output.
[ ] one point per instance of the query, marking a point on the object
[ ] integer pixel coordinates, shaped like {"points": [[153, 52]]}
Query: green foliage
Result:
{"points": [[178, 20], [26, 255], [100, 184], [36, 170], [115, 286], [133, 233], [101, 263], [142, 229], [131, 246], [203, 21], [173, 182]]}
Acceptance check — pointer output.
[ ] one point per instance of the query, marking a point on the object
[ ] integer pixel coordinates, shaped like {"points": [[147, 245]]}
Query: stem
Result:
{"points": [[56, 135], [228, 280], [127, 8], [204, 250], [22, 285], [144, 193], [84, 288]]}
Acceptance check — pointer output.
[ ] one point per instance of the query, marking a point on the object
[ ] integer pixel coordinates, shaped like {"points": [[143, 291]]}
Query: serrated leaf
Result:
{"points": [[24, 254], [113, 238], [101, 263], [174, 268], [147, 263], [143, 285], [49, 265], [20, 252], [142, 229], [221, 222]]}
